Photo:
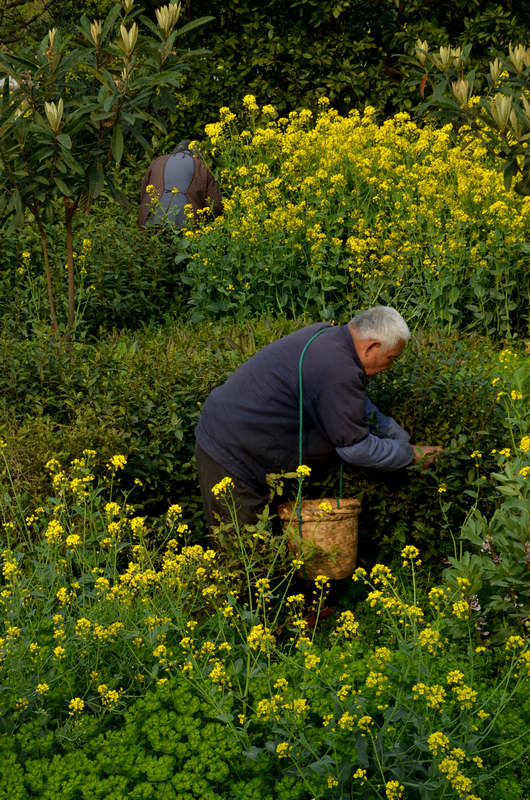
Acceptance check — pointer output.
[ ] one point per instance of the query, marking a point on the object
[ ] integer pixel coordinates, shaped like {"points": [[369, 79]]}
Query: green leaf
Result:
{"points": [[141, 139], [61, 185], [96, 179], [155, 30], [510, 169], [110, 19], [190, 26], [16, 203], [65, 141]]}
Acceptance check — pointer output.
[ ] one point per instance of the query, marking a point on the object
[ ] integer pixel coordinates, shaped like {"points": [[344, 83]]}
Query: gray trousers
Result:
{"points": [[248, 502]]}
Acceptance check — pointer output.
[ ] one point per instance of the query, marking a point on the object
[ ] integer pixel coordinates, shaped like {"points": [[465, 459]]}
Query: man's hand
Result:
{"points": [[426, 454]]}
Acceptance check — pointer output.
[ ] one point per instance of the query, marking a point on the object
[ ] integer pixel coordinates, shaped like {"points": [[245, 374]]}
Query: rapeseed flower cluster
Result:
{"points": [[320, 190], [303, 471], [260, 638], [435, 695], [410, 555], [394, 790], [223, 487]]}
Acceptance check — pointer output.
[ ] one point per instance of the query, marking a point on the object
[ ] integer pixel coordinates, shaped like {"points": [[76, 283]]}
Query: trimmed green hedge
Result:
{"points": [[141, 395]]}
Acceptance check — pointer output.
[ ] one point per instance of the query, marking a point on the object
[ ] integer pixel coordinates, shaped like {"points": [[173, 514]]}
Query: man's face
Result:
{"points": [[375, 359]]}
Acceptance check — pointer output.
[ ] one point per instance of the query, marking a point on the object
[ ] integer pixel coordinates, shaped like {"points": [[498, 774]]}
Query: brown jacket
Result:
{"points": [[202, 191]]}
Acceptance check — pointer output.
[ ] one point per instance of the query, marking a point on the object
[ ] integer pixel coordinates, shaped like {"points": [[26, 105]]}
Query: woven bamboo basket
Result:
{"points": [[328, 542]]}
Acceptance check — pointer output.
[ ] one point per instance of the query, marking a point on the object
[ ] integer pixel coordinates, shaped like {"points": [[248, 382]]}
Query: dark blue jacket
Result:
{"points": [[250, 424]]}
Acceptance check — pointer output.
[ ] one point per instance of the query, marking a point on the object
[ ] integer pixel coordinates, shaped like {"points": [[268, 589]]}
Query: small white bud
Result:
{"points": [[95, 31], [495, 70], [500, 109], [129, 38], [167, 17], [422, 49], [54, 114]]}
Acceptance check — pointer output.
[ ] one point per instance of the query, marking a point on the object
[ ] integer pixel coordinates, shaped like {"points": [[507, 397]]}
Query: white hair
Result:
{"points": [[382, 323]]}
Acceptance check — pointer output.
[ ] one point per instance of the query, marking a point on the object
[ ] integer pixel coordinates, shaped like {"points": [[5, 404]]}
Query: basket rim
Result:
{"points": [[310, 508]]}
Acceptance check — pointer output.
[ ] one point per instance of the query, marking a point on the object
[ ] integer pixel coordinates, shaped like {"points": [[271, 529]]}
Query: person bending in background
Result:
{"points": [[173, 181]]}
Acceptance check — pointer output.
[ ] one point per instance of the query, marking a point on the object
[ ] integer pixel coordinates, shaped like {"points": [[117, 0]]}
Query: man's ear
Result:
{"points": [[372, 347]]}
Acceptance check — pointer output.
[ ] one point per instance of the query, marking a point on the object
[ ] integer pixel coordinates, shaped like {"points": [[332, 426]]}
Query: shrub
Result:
{"points": [[141, 395], [289, 54], [490, 106]]}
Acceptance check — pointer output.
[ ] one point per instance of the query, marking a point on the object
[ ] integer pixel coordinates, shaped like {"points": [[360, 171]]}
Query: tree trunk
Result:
{"points": [[69, 215], [51, 296]]}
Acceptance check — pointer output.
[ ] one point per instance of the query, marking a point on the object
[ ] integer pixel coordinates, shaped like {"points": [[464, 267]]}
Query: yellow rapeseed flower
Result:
{"points": [[360, 775], [365, 724], [116, 462], [174, 512], [76, 705], [283, 749], [303, 471], [394, 790], [223, 487], [438, 743]]}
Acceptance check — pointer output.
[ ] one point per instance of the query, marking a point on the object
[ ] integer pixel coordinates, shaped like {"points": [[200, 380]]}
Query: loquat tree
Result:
{"points": [[69, 106]]}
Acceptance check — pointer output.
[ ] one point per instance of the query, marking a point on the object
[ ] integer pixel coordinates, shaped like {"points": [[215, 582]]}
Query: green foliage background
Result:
{"points": [[290, 53]]}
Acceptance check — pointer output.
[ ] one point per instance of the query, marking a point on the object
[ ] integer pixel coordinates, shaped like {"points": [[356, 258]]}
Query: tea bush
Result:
{"points": [[141, 395], [133, 283], [138, 394]]}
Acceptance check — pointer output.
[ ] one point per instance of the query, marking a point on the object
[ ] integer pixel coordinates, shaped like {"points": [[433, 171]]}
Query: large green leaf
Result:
{"points": [[117, 143], [65, 141], [16, 204], [110, 19], [96, 180], [61, 185], [190, 26], [510, 169]]}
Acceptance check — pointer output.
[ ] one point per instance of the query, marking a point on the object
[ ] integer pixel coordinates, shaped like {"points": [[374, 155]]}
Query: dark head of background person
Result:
{"points": [[182, 146], [174, 181]]}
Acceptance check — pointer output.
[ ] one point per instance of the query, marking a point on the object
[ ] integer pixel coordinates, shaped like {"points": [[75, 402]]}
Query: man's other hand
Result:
{"points": [[426, 454]]}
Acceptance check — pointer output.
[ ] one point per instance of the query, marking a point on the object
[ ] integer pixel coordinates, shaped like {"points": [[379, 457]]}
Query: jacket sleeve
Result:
{"points": [[214, 193], [387, 425], [373, 452], [145, 205], [204, 190]]}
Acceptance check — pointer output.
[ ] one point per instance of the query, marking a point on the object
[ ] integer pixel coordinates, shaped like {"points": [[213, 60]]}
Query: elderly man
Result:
{"points": [[249, 426]]}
